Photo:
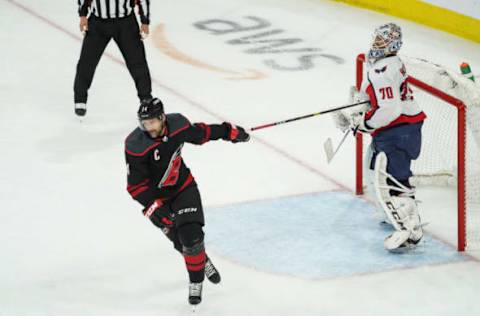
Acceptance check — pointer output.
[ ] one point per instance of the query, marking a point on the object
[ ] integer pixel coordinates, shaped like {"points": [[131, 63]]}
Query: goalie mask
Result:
{"points": [[387, 40]]}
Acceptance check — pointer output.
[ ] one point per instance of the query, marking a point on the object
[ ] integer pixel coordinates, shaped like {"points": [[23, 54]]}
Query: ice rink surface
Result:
{"points": [[283, 226]]}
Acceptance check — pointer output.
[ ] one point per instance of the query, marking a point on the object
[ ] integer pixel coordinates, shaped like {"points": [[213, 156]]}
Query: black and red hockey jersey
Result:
{"points": [[155, 167]]}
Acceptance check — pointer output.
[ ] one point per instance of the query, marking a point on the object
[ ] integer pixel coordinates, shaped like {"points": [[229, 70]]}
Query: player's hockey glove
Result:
{"points": [[235, 134], [158, 214]]}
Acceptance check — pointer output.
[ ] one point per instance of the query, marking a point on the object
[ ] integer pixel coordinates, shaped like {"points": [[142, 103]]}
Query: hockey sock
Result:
{"points": [[191, 237]]}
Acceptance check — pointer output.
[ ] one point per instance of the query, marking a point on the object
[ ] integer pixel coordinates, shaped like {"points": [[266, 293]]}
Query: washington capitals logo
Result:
{"points": [[379, 71]]}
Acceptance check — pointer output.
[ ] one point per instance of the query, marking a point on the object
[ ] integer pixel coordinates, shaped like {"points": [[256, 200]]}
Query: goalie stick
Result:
{"points": [[328, 146]]}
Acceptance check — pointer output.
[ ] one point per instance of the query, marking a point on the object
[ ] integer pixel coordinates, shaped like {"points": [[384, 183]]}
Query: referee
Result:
{"points": [[112, 19]]}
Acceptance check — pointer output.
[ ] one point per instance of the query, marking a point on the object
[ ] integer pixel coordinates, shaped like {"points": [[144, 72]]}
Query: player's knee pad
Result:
{"points": [[191, 238], [172, 235]]}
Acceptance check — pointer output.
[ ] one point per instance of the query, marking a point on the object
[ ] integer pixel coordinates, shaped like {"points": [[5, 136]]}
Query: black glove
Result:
{"points": [[159, 215], [236, 134]]}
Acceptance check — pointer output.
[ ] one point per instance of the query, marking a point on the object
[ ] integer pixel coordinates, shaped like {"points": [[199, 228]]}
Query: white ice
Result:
{"points": [[72, 241]]}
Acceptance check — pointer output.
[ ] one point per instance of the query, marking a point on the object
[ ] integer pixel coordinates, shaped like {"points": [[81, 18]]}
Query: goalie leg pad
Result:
{"points": [[396, 240], [406, 213], [382, 190], [401, 211]]}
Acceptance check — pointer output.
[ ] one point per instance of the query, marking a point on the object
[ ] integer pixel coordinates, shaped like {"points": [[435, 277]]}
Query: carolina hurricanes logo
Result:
{"points": [[172, 173]]}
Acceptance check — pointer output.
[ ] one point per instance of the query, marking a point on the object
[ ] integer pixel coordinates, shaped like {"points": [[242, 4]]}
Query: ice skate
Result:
{"points": [[211, 272], [80, 109], [195, 293]]}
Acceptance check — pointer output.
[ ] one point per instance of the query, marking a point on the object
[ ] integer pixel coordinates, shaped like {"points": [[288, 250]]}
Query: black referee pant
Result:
{"points": [[126, 33]]}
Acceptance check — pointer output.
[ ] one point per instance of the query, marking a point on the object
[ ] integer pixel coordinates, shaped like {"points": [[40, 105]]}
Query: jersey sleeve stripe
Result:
{"points": [[138, 191], [179, 130], [142, 153], [373, 101], [133, 187], [206, 130]]}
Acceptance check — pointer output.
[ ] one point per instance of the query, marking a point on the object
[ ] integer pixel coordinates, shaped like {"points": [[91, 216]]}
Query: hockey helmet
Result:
{"points": [[149, 109], [387, 40]]}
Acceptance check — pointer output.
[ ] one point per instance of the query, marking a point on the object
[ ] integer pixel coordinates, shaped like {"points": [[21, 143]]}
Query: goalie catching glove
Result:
{"points": [[353, 119]]}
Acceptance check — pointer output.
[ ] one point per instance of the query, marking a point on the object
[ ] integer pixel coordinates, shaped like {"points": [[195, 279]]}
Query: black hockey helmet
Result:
{"points": [[151, 108]]}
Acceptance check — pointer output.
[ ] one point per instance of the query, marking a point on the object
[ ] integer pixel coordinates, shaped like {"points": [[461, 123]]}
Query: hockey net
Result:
{"points": [[450, 140]]}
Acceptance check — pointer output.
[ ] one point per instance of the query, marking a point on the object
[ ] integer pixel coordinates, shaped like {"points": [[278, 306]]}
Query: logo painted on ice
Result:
{"points": [[259, 38]]}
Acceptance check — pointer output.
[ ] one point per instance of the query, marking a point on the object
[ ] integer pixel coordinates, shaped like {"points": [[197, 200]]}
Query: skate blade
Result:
{"points": [[194, 309]]}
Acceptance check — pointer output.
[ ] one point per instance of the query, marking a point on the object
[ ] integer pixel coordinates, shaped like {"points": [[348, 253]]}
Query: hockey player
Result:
{"points": [[395, 121], [159, 179]]}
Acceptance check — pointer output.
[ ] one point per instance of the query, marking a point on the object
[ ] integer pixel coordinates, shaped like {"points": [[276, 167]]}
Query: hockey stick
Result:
{"points": [[307, 116], [328, 146]]}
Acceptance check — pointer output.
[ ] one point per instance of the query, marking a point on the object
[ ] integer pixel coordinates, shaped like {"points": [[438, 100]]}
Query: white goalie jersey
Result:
{"points": [[391, 99]]}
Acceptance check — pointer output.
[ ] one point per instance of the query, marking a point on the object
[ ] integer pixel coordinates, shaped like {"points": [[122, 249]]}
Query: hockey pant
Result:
{"points": [[401, 144]]}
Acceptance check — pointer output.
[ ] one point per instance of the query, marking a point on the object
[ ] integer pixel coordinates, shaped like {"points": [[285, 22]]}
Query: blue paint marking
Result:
{"points": [[313, 236]]}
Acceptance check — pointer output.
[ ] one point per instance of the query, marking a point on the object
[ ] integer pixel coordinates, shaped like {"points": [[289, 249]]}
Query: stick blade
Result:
{"points": [[328, 148]]}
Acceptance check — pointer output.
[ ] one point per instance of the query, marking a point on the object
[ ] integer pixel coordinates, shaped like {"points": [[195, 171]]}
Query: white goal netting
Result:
{"points": [[438, 161]]}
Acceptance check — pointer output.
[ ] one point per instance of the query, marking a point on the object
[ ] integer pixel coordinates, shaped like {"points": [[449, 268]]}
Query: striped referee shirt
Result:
{"points": [[110, 9]]}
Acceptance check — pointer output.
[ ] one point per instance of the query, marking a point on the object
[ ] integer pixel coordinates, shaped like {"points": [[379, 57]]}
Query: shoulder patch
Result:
{"points": [[138, 143], [176, 123]]}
